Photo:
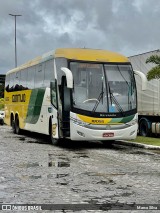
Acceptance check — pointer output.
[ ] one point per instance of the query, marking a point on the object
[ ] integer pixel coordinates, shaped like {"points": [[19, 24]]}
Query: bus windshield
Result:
{"points": [[103, 88]]}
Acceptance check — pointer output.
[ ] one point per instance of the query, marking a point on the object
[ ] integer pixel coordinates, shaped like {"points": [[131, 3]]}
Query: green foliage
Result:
{"points": [[1, 103], [1, 90], [155, 59], [154, 73]]}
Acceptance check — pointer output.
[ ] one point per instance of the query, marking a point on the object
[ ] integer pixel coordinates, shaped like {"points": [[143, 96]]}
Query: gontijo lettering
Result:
{"points": [[19, 98]]}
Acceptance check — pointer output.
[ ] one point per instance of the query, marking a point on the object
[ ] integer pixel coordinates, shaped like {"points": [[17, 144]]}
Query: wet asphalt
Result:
{"points": [[34, 171]]}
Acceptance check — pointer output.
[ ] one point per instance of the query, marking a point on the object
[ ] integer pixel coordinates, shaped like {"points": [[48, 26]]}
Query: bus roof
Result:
{"points": [[82, 54], [90, 55]]}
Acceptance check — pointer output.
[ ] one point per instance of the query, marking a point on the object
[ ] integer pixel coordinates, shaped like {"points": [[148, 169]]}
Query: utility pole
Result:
{"points": [[15, 16]]}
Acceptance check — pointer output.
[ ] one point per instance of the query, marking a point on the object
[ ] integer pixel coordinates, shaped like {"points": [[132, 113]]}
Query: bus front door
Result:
{"points": [[66, 105]]}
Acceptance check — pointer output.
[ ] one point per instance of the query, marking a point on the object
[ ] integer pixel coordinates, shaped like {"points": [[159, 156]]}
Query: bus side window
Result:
{"points": [[11, 83], [17, 81], [49, 73], [53, 86], [23, 81], [39, 76], [30, 78]]}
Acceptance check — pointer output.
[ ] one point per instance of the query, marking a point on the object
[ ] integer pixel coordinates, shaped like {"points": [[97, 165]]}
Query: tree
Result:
{"points": [[2, 90], [1, 103], [154, 73]]}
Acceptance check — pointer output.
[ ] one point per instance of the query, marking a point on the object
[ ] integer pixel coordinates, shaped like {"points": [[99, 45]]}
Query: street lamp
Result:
{"points": [[15, 16]]}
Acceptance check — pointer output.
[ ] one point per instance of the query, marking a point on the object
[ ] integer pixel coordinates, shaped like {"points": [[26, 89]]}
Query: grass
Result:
{"points": [[147, 140]]}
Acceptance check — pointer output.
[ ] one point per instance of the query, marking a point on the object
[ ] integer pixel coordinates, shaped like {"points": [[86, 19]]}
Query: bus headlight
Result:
{"points": [[81, 134], [133, 122]]}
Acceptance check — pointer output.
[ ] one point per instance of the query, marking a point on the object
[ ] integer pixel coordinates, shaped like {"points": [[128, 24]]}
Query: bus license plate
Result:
{"points": [[108, 135]]}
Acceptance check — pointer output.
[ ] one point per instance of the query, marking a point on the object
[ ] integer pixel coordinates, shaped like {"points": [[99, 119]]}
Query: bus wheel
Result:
{"points": [[13, 125], [17, 129]]}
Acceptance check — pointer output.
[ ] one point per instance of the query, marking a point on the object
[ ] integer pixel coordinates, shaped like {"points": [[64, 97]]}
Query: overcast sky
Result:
{"points": [[126, 26]]}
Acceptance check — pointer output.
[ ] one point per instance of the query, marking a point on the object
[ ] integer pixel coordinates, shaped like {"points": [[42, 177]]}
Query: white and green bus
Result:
{"points": [[78, 94]]}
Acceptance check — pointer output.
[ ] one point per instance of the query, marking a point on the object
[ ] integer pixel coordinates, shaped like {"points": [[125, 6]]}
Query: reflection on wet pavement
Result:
{"points": [[58, 164]]}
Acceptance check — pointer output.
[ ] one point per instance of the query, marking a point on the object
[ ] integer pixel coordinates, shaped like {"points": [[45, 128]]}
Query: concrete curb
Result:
{"points": [[135, 144]]}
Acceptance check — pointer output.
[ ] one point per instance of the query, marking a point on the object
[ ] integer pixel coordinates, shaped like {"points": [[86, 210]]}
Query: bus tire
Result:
{"points": [[144, 128], [13, 124], [2, 122], [17, 128]]}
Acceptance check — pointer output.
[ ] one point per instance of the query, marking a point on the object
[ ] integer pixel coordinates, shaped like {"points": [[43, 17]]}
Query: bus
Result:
{"points": [[73, 93]]}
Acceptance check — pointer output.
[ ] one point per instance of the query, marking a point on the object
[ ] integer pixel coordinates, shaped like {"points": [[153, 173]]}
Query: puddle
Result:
{"points": [[58, 164], [62, 183], [139, 152], [38, 142], [53, 156], [61, 175], [81, 156], [75, 190], [103, 174], [22, 139], [126, 194], [156, 151], [51, 176], [26, 177], [57, 176], [28, 165], [102, 182]]}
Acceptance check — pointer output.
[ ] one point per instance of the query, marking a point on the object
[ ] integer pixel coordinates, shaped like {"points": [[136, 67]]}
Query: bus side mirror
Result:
{"points": [[143, 78], [69, 77]]}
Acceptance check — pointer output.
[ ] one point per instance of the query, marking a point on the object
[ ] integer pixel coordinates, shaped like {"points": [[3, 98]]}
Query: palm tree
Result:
{"points": [[154, 73]]}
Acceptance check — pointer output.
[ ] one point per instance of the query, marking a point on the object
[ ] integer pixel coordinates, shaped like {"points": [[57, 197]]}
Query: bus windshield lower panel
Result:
{"points": [[103, 88]]}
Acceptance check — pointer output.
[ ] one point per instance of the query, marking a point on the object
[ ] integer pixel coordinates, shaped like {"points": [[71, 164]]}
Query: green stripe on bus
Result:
{"points": [[122, 120], [35, 105], [127, 119]]}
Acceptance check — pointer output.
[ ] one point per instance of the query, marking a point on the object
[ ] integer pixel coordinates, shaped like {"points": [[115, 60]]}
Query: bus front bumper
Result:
{"points": [[80, 133]]}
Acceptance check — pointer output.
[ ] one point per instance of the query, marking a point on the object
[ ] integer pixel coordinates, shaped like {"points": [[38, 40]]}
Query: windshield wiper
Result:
{"points": [[99, 98], [123, 76], [113, 99], [97, 103]]}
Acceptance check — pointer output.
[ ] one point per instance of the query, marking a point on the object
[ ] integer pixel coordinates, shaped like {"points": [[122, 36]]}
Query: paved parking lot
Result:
{"points": [[34, 171]]}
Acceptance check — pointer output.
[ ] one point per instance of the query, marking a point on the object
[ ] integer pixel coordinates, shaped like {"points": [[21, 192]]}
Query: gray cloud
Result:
{"points": [[128, 27]]}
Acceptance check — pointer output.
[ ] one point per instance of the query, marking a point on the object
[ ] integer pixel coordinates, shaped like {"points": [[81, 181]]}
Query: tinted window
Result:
{"points": [[49, 73], [7, 83], [30, 78], [23, 81], [11, 83], [17, 81], [39, 76], [54, 93]]}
